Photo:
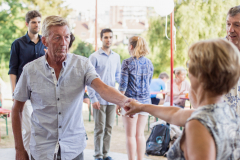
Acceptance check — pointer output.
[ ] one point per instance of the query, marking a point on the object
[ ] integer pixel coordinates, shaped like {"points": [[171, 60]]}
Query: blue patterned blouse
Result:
{"points": [[136, 75]]}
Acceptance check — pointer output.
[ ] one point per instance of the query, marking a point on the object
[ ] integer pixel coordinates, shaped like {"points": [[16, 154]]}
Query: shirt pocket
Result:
{"points": [[73, 84], [43, 94]]}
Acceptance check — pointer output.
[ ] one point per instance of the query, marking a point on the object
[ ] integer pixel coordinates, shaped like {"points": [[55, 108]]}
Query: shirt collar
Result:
{"points": [[101, 51], [29, 40], [64, 63]]}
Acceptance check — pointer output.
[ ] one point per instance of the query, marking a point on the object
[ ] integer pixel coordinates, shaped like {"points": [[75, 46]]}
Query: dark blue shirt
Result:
{"points": [[24, 50]]}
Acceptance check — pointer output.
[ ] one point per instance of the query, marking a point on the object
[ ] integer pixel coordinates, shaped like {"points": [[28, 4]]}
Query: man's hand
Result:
{"points": [[118, 110], [22, 155], [132, 107], [96, 105]]}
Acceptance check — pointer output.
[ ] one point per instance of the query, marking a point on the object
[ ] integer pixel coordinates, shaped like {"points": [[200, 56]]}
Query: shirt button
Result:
{"points": [[57, 85], [59, 113], [58, 99], [59, 140], [60, 126], [52, 72]]}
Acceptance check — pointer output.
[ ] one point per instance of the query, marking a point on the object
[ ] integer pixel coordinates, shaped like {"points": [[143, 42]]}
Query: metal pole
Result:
{"points": [[96, 48], [172, 50]]}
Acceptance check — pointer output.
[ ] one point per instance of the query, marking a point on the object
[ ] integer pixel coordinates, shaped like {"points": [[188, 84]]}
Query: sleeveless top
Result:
{"points": [[224, 125]]}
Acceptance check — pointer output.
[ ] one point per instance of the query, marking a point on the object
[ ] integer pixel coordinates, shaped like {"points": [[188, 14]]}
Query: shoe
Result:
{"points": [[108, 158], [98, 159]]}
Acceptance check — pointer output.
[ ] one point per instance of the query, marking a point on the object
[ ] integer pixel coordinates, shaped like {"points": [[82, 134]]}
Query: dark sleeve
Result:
{"points": [[14, 60]]}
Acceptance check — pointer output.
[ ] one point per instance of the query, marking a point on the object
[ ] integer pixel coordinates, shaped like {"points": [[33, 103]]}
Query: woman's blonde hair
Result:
{"points": [[179, 70], [216, 64], [140, 47], [52, 21]]}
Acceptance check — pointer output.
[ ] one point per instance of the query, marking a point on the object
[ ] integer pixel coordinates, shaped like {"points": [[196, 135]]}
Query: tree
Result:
{"points": [[12, 22], [195, 20], [82, 48]]}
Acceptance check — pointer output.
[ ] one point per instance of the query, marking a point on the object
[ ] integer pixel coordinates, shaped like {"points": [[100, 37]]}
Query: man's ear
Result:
{"points": [[26, 23], [44, 41]]}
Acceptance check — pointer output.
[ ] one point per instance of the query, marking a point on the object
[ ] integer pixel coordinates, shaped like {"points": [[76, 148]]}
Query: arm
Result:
{"points": [[13, 64], [91, 91], [108, 93], [13, 80], [17, 109], [172, 115], [199, 143], [118, 108]]}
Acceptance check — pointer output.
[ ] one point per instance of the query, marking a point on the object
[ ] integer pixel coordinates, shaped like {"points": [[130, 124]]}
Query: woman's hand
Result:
{"points": [[118, 110], [133, 107]]}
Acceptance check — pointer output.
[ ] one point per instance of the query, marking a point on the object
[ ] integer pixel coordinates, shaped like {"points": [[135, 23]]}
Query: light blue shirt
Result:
{"points": [[57, 105], [156, 86], [108, 67]]}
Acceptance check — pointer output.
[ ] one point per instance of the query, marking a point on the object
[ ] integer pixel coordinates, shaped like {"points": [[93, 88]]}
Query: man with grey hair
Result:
{"points": [[55, 84], [233, 35]]}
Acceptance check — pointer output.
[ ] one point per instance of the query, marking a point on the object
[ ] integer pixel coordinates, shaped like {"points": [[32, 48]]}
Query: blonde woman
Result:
{"points": [[180, 86], [212, 130], [136, 75]]}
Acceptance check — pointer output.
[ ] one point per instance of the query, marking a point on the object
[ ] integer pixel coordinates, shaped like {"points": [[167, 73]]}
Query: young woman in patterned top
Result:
{"points": [[212, 131], [136, 75]]}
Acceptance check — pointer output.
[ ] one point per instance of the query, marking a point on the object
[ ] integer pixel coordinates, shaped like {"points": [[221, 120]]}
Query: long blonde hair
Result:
{"points": [[140, 47]]}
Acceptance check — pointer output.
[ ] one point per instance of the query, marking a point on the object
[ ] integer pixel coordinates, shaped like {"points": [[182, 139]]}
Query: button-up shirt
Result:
{"points": [[108, 67], [57, 105], [24, 50], [136, 76]]}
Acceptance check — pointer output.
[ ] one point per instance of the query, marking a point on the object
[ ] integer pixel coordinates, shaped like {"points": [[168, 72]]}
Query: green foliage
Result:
{"points": [[195, 20], [12, 22], [122, 50], [82, 48]]}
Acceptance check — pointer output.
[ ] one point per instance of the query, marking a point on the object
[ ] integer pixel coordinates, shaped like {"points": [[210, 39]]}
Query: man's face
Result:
{"points": [[233, 29], [57, 42], [34, 25], [107, 39]]}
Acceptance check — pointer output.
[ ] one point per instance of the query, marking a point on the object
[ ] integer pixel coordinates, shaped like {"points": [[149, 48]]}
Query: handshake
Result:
{"points": [[131, 107]]}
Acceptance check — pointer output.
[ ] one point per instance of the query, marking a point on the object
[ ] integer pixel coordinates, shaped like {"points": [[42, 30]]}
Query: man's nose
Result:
{"points": [[63, 41], [230, 28]]}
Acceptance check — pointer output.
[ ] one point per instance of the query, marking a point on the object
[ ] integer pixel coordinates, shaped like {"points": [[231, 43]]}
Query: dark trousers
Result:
{"points": [[155, 100]]}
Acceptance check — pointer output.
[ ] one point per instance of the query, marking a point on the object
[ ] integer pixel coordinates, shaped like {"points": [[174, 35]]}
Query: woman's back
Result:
{"points": [[223, 124], [136, 77]]}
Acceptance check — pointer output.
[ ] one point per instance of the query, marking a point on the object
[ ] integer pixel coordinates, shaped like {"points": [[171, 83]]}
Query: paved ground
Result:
{"points": [[9, 154]]}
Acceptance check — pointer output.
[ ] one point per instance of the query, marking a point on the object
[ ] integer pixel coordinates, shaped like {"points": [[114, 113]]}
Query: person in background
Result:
{"points": [[24, 50], [211, 130], [107, 65], [180, 88], [233, 36], [158, 85], [136, 75]]}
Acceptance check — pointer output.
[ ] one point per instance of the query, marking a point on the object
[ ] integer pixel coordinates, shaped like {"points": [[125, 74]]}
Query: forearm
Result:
{"points": [[172, 115], [112, 95], [16, 126], [13, 80]]}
